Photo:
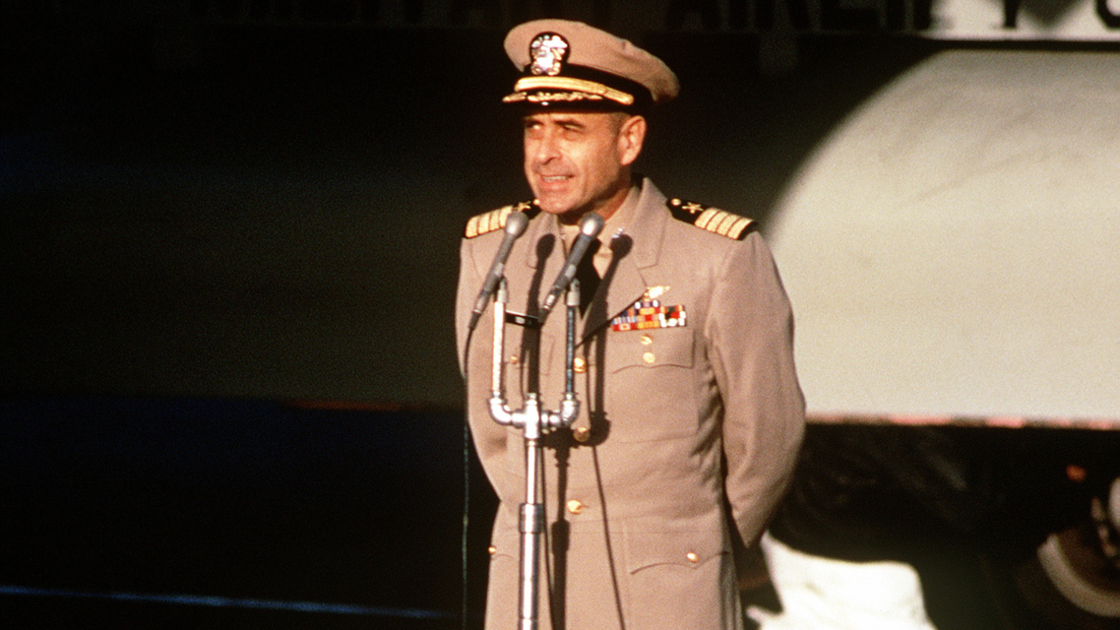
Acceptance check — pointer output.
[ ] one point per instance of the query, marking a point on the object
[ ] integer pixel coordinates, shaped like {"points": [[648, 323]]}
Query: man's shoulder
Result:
{"points": [[495, 220], [711, 219]]}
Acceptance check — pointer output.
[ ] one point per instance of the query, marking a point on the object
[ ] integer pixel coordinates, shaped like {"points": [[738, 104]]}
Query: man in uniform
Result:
{"points": [[690, 410]]}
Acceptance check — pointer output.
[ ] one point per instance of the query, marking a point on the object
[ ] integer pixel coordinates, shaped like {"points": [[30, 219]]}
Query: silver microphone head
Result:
{"points": [[516, 223], [591, 224]]}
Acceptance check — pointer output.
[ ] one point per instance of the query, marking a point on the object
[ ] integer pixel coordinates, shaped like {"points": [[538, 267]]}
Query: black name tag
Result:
{"points": [[528, 321]]}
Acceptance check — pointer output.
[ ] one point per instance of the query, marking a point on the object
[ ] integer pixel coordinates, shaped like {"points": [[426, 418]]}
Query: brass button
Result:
{"points": [[513, 360], [492, 550], [581, 434], [646, 339], [576, 507], [579, 365], [692, 557], [648, 357]]}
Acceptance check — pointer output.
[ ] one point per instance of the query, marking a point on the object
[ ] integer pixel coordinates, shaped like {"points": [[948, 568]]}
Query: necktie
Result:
{"points": [[588, 277]]}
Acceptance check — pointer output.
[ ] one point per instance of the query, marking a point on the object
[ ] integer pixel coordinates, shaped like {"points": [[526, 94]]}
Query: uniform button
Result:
{"points": [[581, 434], [576, 507], [579, 365], [648, 357], [646, 339], [692, 557], [513, 360], [492, 550]]}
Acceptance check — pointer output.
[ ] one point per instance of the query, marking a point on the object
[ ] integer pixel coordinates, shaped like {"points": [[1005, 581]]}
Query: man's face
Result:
{"points": [[577, 162]]}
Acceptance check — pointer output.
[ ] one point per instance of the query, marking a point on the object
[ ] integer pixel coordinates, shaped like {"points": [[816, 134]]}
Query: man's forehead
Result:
{"points": [[572, 116]]}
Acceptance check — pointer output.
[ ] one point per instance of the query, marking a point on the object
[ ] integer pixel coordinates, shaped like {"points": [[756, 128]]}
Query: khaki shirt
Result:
{"points": [[687, 432]]}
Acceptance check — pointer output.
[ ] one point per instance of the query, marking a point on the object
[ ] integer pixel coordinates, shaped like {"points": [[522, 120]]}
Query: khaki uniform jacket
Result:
{"points": [[687, 434]]}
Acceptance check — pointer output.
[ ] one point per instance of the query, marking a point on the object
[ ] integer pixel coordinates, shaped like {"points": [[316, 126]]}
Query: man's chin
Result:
{"points": [[565, 214], [564, 209], [554, 206]]}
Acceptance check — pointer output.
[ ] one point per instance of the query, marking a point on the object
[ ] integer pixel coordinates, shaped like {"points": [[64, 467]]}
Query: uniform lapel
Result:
{"points": [[634, 252], [542, 257]]}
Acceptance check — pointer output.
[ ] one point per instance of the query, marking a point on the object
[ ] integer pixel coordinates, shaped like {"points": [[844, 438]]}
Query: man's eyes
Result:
{"points": [[567, 130]]}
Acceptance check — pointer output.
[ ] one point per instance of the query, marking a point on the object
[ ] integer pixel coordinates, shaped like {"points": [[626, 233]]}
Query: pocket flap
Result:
{"points": [[685, 548]]}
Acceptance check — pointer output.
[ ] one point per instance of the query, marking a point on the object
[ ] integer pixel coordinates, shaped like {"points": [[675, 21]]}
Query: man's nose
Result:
{"points": [[547, 147]]}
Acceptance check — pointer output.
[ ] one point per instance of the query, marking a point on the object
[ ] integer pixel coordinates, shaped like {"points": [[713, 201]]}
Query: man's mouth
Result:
{"points": [[553, 178]]}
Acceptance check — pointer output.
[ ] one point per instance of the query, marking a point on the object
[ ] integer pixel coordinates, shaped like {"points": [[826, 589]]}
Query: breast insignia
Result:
{"points": [[711, 219], [496, 219]]}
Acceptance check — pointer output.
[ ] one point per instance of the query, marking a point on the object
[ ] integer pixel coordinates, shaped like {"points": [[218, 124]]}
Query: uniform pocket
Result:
{"points": [[650, 349], [526, 355], [688, 549], [505, 544], [525, 346], [680, 580], [504, 580], [651, 390]]}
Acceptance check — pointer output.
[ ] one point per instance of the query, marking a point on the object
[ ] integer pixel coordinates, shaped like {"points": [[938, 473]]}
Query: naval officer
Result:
{"points": [[690, 410]]}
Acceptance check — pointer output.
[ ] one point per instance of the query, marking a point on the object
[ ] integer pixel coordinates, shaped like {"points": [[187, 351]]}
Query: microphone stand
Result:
{"points": [[534, 423]]}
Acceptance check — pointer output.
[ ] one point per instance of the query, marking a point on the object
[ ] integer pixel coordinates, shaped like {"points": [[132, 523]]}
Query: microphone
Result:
{"points": [[514, 228], [589, 228]]}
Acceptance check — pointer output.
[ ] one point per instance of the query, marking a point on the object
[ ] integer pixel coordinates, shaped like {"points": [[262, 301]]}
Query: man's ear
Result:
{"points": [[631, 135]]}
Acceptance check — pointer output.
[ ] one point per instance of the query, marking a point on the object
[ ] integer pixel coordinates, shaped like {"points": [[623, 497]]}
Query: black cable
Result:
{"points": [[466, 470]]}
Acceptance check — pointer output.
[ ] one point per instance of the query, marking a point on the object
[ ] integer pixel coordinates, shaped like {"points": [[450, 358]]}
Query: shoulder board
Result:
{"points": [[496, 219], [711, 219]]}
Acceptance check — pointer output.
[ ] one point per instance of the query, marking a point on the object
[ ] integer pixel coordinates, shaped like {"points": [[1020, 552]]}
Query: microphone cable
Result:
{"points": [[466, 472]]}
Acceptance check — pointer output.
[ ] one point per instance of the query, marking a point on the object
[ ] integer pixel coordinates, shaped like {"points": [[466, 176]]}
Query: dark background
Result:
{"points": [[229, 255], [137, 512], [279, 217]]}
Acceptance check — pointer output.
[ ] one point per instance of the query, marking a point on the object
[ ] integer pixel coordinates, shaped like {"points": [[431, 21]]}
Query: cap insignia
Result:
{"points": [[547, 52]]}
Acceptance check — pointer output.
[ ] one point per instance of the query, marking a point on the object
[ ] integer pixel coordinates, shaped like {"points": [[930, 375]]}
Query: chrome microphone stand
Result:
{"points": [[534, 424]]}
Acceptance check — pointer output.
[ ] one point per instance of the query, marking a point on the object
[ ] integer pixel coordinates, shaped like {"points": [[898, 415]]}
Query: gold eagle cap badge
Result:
{"points": [[548, 52]]}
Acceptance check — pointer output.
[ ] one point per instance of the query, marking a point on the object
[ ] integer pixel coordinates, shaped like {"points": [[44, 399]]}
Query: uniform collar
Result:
{"points": [[635, 249], [639, 217]]}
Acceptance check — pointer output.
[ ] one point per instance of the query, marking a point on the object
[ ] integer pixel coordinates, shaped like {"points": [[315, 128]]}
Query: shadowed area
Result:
{"points": [[159, 512], [283, 219]]}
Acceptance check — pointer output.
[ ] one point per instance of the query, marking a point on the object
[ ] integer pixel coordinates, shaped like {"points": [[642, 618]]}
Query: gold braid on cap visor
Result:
{"points": [[592, 90]]}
